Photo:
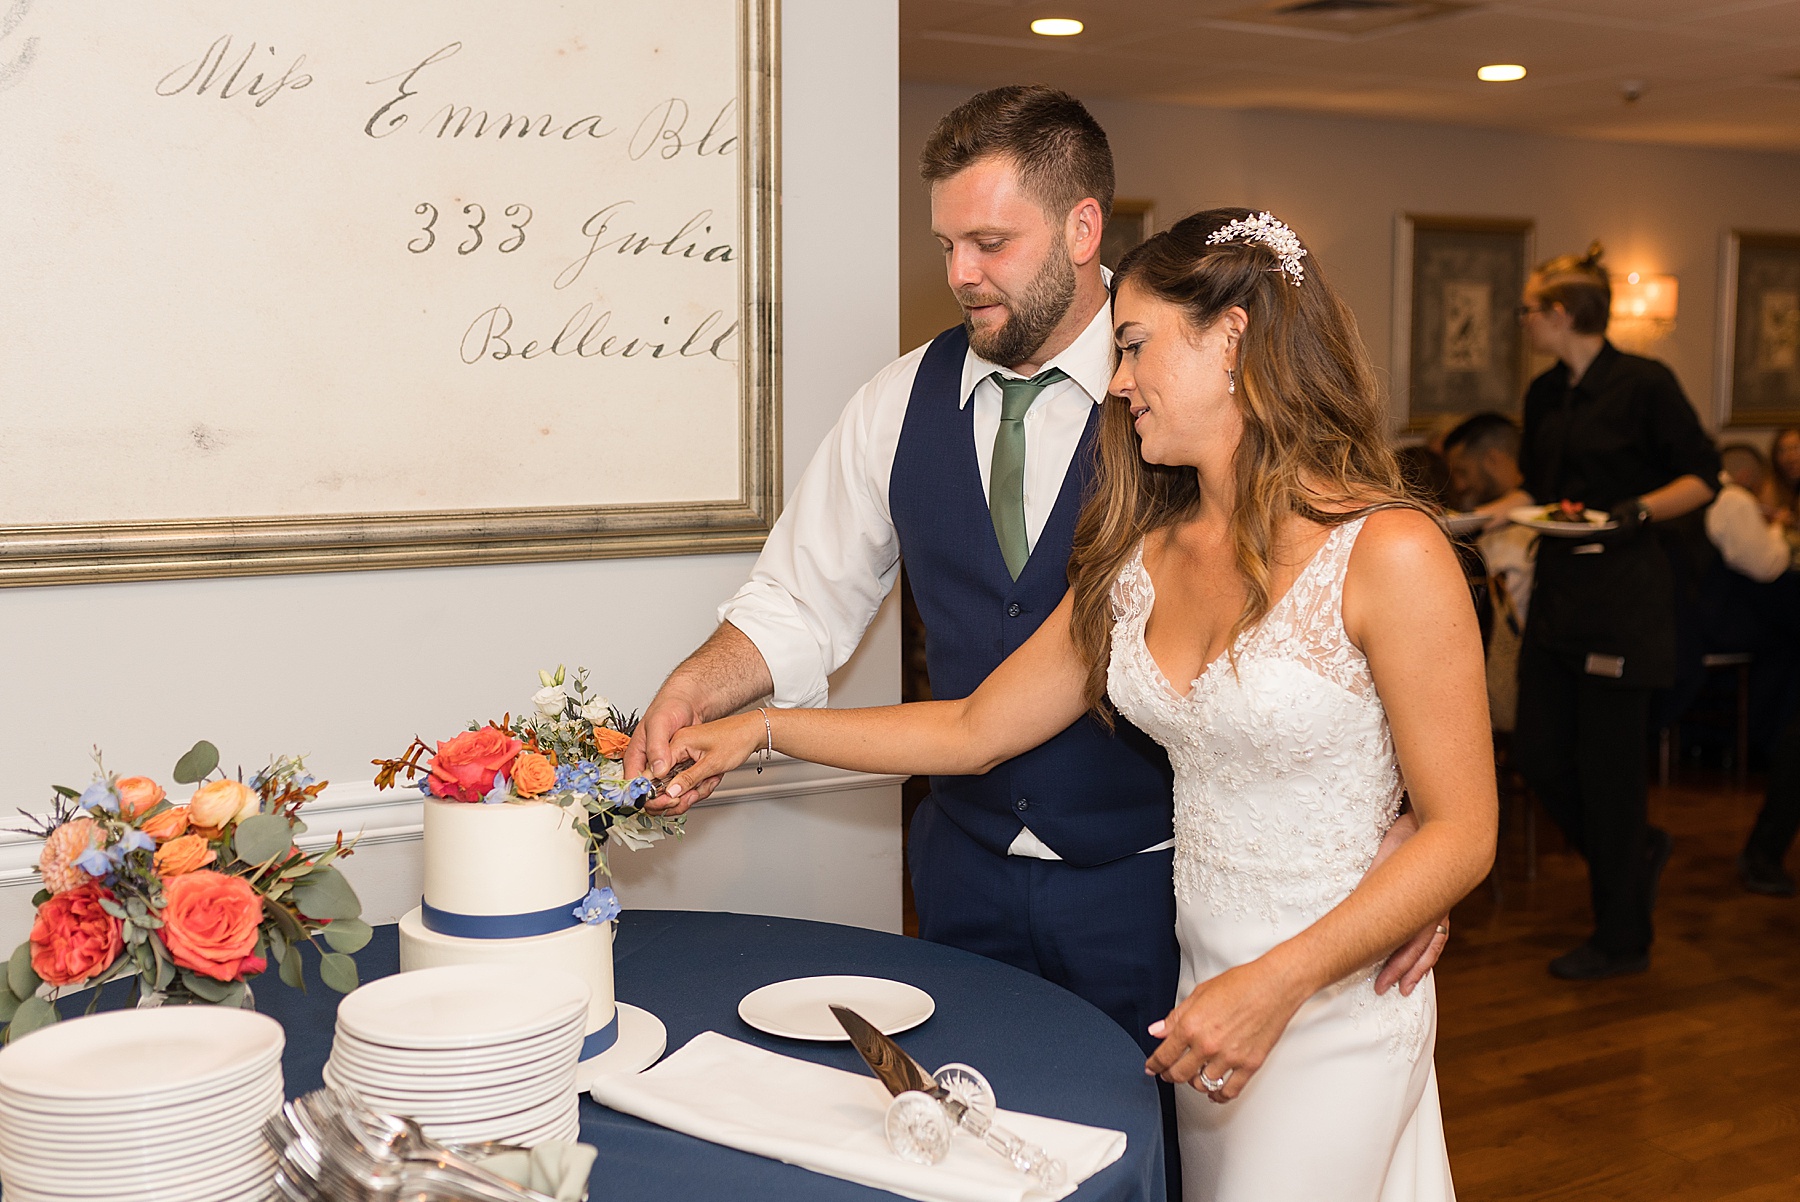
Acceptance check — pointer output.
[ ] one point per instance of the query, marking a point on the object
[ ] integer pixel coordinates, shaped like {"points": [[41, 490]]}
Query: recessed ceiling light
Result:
{"points": [[1500, 73], [1056, 27]]}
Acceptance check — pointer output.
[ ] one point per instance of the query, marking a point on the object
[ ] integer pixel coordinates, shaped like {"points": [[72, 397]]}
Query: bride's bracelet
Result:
{"points": [[768, 747]]}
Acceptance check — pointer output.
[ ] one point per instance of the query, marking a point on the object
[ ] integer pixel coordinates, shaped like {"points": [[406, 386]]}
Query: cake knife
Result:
{"points": [[900, 1073]]}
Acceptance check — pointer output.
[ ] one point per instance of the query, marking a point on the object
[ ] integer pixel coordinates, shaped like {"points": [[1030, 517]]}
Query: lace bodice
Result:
{"points": [[1285, 777]]}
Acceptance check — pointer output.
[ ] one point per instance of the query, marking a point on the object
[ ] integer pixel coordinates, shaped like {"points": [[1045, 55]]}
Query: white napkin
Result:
{"points": [[832, 1122]]}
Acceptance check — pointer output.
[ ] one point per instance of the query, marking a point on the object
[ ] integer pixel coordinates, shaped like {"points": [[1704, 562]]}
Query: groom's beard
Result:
{"points": [[1029, 318]]}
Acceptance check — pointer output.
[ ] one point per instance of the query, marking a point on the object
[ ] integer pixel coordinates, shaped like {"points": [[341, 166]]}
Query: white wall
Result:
{"points": [[347, 667], [1341, 181]]}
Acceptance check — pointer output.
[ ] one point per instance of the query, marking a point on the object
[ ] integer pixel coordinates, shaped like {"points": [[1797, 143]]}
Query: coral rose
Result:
{"points": [[138, 795], [73, 938], [611, 743], [209, 924], [62, 848], [170, 824], [184, 855], [533, 774], [219, 802], [465, 767]]}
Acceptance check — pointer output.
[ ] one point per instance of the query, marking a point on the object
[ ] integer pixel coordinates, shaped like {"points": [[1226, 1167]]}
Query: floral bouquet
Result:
{"points": [[195, 898], [569, 752]]}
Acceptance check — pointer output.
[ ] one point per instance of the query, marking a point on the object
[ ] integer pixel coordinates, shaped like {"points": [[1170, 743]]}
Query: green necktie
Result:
{"points": [[1006, 472]]}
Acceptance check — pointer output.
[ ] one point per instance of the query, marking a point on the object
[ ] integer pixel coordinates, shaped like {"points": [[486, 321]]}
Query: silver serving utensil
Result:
{"points": [[901, 1074]]}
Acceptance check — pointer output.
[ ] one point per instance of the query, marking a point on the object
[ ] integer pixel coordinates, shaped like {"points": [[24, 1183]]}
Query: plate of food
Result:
{"points": [[1466, 523], [1565, 519]]}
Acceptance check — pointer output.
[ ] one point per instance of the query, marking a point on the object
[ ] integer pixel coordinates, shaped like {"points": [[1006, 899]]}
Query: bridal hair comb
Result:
{"points": [[1270, 232]]}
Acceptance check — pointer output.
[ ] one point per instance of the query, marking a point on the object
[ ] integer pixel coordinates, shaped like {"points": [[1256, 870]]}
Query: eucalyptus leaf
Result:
{"points": [[197, 764], [291, 972], [9, 1005], [348, 934], [40, 897], [338, 971], [299, 827], [284, 920], [262, 837], [237, 995], [326, 894], [136, 907], [165, 972], [32, 1013], [21, 978], [204, 988], [114, 908]]}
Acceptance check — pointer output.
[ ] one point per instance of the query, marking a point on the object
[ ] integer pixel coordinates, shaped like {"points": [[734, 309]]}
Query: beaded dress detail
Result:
{"points": [[1285, 782]]}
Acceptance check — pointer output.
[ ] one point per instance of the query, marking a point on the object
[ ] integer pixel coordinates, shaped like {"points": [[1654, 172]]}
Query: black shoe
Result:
{"points": [[1763, 875], [1661, 844], [1589, 963]]}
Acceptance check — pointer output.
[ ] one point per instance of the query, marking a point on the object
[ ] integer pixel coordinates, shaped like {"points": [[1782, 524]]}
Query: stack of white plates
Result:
{"points": [[472, 1051], [162, 1105]]}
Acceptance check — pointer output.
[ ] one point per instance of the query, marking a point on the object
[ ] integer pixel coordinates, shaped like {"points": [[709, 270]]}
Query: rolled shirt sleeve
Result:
{"points": [[833, 554]]}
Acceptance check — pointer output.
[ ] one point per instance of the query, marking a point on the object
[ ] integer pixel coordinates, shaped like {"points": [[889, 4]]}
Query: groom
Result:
{"points": [[968, 458]]}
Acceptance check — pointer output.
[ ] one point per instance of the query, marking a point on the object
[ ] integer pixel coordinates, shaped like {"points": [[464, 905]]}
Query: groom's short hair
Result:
{"points": [[1060, 151]]}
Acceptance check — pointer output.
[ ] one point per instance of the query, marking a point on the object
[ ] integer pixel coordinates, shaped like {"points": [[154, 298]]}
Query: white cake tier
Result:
{"points": [[585, 951], [502, 859]]}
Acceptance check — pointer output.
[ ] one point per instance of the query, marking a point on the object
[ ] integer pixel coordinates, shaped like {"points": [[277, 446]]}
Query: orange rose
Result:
{"points": [[183, 855], [219, 802], [170, 824], [611, 743], [72, 938], [137, 795], [62, 848], [466, 767], [533, 774], [209, 924]]}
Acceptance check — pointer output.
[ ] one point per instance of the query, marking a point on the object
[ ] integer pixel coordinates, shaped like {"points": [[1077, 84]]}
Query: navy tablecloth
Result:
{"points": [[1045, 1050]]}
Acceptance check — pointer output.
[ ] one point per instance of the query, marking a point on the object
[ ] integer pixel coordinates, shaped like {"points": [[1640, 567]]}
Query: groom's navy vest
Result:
{"points": [[1091, 796]]}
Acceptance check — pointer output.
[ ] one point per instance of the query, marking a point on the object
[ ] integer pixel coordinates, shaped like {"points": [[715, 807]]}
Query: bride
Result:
{"points": [[1249, 536]]}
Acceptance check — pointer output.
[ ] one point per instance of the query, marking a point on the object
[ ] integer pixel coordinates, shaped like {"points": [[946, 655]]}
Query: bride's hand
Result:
{"points": [[716, 748], [1225, 1028]]}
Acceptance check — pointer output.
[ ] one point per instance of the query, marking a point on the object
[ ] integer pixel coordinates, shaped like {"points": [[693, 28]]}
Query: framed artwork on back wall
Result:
{"points": [[1457, 347], [1759, 338]]}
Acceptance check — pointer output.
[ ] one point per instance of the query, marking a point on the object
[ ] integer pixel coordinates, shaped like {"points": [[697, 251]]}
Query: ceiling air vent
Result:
{"points": [[1341, 18]]}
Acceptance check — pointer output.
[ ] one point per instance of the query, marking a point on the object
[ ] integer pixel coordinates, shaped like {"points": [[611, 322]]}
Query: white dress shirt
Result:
{"points": [[834, 554], [1747, 542]]}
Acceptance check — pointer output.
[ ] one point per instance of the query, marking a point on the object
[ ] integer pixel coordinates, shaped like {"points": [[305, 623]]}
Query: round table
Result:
{"points": [[1045, 1050]]}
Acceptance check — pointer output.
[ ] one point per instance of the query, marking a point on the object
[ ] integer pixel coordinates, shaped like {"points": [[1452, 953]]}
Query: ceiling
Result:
{"points": [[1722, 73]]}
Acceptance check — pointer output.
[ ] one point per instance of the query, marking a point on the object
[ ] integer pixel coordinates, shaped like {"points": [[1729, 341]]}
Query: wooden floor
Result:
{"points": [[1680, 1084]]}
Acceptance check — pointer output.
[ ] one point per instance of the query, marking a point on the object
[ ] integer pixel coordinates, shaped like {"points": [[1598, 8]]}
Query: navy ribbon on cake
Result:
{"points": [[500, 926], [602, 1039]]}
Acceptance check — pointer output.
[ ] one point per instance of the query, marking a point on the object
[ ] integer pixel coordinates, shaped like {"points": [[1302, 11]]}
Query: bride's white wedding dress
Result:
{"points": [[1285, 782]]}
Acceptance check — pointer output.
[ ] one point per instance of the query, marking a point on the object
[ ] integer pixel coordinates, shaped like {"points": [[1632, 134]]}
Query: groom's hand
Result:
{"points": [[648, 754], [1414, 958]]}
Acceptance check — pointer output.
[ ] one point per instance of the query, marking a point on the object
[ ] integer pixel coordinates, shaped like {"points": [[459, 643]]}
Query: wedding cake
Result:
{"points": [[509, 884]]}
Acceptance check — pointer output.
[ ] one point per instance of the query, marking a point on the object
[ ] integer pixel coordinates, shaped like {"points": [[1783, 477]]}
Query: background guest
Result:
{"points": [[1482, 455], [1783, 489], [1616, 433]]}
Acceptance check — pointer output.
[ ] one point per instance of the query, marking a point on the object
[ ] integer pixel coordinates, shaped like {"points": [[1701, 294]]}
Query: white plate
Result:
{"points": [[97, 1170], [212, 1182], [565, 1040], [799, 1009], [642, 1038], [525, 1127], [1466, 523], [180, 1048], [128, 1113], [461, 1006], [453, 1102], [1532, 516], [232, 1110], [436, 1084]]}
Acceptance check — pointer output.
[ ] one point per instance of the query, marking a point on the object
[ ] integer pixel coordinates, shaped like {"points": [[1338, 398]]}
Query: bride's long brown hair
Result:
{"points": [[1314, 443]]}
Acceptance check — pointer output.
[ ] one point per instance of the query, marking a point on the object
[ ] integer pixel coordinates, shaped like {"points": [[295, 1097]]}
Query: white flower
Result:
{"points": [[551, 701], [597, 709], [635, 837]]}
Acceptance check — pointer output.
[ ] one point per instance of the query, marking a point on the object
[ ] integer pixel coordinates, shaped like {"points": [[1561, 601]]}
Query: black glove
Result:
{"points": [[1630, 515]]}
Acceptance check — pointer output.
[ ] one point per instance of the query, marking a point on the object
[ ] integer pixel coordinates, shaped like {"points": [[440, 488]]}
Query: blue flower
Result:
{"points": [[581, 777], [101, 796], [640, 788], [501, 792], [94, 862], [600, 905], [132, 841], [424, 785]]}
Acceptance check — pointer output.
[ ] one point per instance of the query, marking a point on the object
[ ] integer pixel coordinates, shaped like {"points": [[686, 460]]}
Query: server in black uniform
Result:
{"points": [[1615, 433]]}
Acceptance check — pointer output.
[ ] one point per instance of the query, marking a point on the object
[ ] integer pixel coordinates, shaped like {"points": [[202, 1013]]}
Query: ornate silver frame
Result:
{"points": [[95, 552]]}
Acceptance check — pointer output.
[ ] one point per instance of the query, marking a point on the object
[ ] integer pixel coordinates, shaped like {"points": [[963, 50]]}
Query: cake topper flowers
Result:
{"points": [[567, 751], [194, 897]]}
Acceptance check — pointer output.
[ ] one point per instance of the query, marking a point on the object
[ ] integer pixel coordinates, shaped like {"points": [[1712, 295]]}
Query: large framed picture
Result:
{"points": [[1457, 347], [335, 286], [1759, 351], [1132, 221]]}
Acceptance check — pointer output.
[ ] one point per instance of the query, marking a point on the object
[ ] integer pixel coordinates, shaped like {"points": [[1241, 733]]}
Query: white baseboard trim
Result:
{"points": [[374, 817]]}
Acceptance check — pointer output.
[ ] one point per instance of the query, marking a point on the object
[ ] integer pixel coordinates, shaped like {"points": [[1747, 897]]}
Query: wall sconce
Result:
{"points": [[1643, 308]]}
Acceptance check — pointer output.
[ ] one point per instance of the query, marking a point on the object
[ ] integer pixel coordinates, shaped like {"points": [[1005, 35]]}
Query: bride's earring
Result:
{"points": [[1230, 381]]}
